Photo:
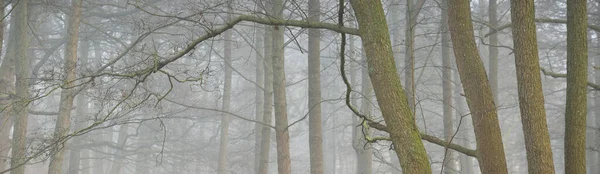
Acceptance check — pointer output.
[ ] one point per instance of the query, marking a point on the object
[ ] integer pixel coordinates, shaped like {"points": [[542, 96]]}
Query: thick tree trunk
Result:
{"points": [[364, 151], [265, 144], [63, 121], [388, 89], [314, 91], [279, 96], [531, 96], [21, 98], [225, 119], [450, 158], [476, 87], [259, 92], [81, 113], [576, 106]]}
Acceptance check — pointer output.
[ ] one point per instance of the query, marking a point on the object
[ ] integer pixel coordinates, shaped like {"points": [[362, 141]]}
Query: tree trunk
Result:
{"points": [[265, 144], [493, 49], [117, 163], [314, 91], [63, 121], [449, 162], [476, 87], [531, 96], [466, 128], [409, 59], [21, 98], [596, 156], [364, 151], [279, 96], [259, 98], [388, 89], [7, 76], [101, 151], [80, 122], [576, 105], [225, 119]]}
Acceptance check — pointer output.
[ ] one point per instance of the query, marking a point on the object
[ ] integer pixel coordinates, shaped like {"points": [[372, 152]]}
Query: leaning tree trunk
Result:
{"points": [[576, 106], [21, 99], [225, 119], [279, 95], [391, 98], [477, 89], [531, 96], [314, 91], [63, 121]]}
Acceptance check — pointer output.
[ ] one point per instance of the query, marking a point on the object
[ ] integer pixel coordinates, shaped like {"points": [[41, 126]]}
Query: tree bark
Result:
{"points": [[576, 104], [388, 89], [225, 119], [449, 162], [477, 89], [531, 96], [21, 98], [81, 113], [63, 121], [314, 91], [259, 92], [279, 94], [265, 144]]}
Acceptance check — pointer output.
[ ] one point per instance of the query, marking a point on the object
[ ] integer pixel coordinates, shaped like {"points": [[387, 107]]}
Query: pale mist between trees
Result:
{"points": [[299, 86]]}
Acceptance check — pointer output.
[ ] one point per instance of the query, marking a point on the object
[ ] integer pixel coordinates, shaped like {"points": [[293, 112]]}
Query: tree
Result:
{"points": [[477, 89], [63, 121], [391, 98], [21, 100], [81, 112], [224, 141], [531, 97], [260, 94], [576, 103], [265, 144], [314, 91], [493, 48], [364, 151], [449, 164]]}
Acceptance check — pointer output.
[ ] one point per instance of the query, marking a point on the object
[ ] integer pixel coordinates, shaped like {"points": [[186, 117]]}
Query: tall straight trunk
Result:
{"points": [[259, 98], [364, 151], [391, 98], [493, 49], [21, 99], [531, 96], [119, 157], [466, 162], [225, 119], [279, 96], [265, 144], [477, 89], [81, 113], [63, 121], [596, 156], [314, 91], [7, 74], [449, 162], [409, 58], [576, 105], [101, 151], [396, 31]]}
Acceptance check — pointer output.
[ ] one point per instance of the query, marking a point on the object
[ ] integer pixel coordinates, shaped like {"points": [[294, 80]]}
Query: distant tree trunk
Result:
{"points": [[466, 128], [225, 119], [314, 91], [7, 88], [450, 158], [493, 49], [63, 121], [100, 152], [531, 96], [388, 89], [117, 163], [476, 87], [265, 144], [575, 114], [409, 59], [279, 95], [364, 151], [21, 98], [259, 92], [81, 113]]}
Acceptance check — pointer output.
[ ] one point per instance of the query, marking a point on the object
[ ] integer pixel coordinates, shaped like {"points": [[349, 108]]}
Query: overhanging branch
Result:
{"points": [[559, 75]]}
